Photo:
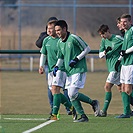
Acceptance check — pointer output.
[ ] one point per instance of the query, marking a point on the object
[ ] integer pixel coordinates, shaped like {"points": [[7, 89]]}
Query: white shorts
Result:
{"points": [[59, 80], [114, 78], [76, 81], [126, 75]]}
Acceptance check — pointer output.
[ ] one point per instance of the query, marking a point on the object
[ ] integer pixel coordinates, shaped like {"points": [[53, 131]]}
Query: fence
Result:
{"points": [[29, 59]]}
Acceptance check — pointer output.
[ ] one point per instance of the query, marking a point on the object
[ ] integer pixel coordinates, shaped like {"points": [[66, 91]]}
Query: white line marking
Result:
{"points": [[27, 119], [39, 126]]}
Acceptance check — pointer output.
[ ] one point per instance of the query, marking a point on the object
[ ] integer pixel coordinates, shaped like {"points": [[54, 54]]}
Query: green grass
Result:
{"points": [[24, 95], [108, 124]]}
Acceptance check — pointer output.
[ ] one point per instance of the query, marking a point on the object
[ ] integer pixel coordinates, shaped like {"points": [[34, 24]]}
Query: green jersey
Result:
{"points": [[49, 48], [69, 49], [128, 43], [115, 42]]}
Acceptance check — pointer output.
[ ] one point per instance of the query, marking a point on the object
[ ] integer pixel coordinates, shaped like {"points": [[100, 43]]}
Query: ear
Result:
{"points": [[64, 29]]}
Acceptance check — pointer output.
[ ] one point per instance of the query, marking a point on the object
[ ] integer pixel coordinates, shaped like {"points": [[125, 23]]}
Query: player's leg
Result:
{"points": [[66, 95], [68, 105], [72, 92], [131, 97], [56, 101], [73, 83], [131, 101], [107, 99], [56, 95], [50, 97], [127, 81], [113, 78]]}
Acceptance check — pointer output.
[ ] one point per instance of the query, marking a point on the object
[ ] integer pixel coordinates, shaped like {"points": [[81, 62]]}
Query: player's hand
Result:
{"points": [[123, 53], [117, 65], [41, 70], [55, 70], [108, 49], [73, 62]]}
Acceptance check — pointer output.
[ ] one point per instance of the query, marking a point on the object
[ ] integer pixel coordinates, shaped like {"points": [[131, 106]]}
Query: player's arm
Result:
{"points": [[43, 56], [129, 50], [85, 50], [59, 62], [102, 49], [101, 54], [42, 63]]}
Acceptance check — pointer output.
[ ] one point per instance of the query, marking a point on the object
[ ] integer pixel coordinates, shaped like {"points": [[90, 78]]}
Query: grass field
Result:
{"points": [[32, 123], [24, 95]]}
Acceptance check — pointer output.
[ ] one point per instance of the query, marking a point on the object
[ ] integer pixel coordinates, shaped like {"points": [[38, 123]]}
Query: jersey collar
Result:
{"points": [[68, 33]]}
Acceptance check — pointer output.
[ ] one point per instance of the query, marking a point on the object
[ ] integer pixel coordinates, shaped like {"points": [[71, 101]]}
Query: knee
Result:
{"points": [[107, 88], [72, 96]]}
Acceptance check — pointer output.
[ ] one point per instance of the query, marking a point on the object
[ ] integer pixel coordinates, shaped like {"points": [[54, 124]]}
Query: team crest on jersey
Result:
{"points": [[69, 44]]}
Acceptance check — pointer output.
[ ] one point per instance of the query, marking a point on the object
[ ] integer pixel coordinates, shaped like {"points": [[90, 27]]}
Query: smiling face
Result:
{"points": [[119, 25], [126, 23], [51, 30], [105, 35], [61, 32]]}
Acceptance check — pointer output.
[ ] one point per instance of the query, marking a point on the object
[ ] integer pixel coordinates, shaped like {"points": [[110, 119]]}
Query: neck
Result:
{"points": [[110, 35], [54, 36], [64, 36]]}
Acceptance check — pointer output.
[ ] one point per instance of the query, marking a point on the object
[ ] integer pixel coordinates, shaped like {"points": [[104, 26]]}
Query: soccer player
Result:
{"points": [[119, 25], [126, 76], [118, 21], [39, 45], [72, 51], [49, 51], [110, 47]]}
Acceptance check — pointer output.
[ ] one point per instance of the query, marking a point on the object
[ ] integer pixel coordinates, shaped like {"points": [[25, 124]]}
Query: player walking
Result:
{"points": [[49, 50], [126, 76], [72, 51], [110, 47]]}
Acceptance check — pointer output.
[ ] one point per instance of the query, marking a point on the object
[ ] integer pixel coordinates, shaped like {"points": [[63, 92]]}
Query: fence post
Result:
{"points": [[31, 63], [92, 64]]}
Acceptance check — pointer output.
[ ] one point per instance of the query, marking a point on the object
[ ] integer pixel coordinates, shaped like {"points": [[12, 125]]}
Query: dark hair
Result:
{"points": [[126, 16], [118, 19], [52, 19], [103, 28], [62, 24]]}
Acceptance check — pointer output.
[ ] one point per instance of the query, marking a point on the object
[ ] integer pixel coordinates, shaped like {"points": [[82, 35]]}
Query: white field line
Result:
{"points": [[39, 126], [27, 119]]}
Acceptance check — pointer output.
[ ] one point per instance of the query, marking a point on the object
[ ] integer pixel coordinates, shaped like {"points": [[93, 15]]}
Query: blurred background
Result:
{"points": [[21, 22]]}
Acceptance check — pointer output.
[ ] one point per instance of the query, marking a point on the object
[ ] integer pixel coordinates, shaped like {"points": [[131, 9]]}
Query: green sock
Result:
{"points": [[65, 101], [126, 103], [56, 103], [131, 98], [108, 97], [84, 98], [77, 105]]}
